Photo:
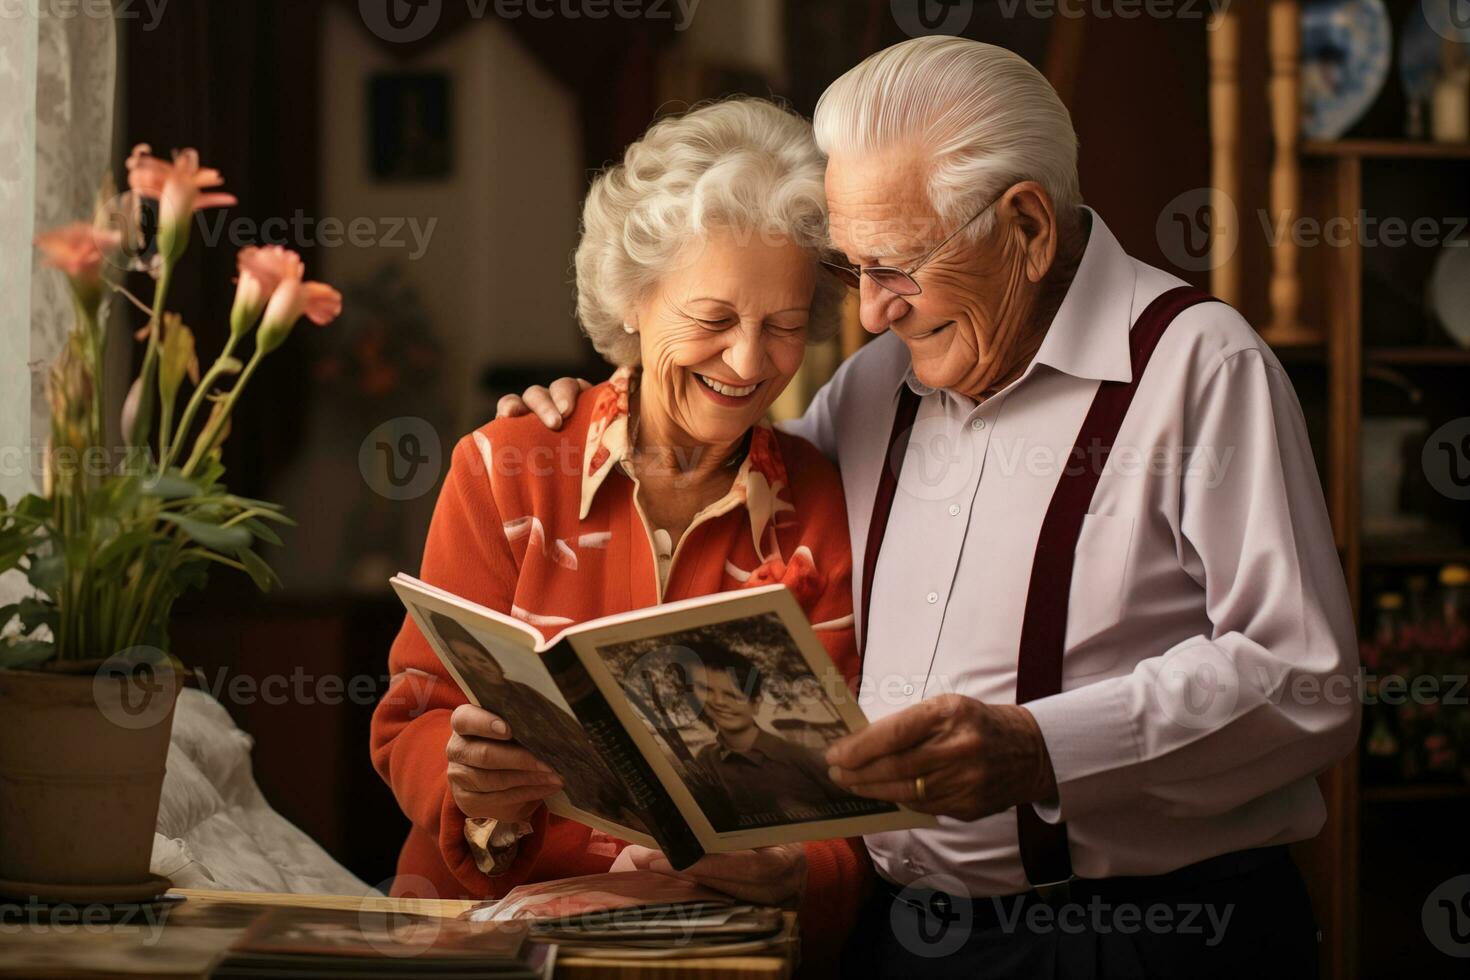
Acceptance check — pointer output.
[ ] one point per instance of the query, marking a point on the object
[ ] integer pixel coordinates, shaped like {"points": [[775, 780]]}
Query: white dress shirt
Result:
{"points": [[1210, 648]]}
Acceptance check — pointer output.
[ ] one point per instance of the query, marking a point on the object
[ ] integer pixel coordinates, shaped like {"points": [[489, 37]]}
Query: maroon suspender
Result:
{"points": [[1044, 851], [898, 440]]}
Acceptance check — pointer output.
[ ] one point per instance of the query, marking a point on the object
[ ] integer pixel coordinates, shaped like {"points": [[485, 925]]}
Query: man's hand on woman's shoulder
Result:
{"points": [[551, 405]]}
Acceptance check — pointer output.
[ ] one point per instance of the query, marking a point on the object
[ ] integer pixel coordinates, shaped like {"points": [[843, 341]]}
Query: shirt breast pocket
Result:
{"points": [[1099, 577]]}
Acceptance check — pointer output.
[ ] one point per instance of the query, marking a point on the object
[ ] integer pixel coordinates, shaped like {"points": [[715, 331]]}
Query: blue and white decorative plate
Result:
{"points": [[1449, 291], [1347, 48]]}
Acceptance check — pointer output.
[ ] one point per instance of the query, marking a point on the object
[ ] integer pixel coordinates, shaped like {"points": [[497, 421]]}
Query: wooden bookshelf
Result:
{"points": [[1416, 793], [1337, 316], [1343, 179], [1419, 356], [1386, 149]]}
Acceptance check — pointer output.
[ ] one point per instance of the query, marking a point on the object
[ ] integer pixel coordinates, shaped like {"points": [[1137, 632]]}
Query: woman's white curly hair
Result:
{"points": [[740, 163]]}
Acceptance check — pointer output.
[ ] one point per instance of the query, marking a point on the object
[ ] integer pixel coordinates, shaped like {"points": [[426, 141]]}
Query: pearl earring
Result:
{"points": [[629, 329]]}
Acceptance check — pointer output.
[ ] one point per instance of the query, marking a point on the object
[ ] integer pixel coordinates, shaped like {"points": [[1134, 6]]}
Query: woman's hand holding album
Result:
{"points": [[490, 775]]}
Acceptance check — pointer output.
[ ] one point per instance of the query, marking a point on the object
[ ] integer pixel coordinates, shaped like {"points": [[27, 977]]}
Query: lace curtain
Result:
{"points": [[58, 67]]}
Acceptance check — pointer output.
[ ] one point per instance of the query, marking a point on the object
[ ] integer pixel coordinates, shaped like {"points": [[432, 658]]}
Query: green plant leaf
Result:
{"points": [[12, 551], [34, 507], [262, 531], [171, 486], [261, 573], [123, 546], [26, 653], [222, 539], [35, 612], [46, 572]]}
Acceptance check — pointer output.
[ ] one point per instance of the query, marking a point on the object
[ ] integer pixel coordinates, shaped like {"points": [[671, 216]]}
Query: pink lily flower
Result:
{"points": [[78, 249], [293, 298], [262, 269], [179, 189]]}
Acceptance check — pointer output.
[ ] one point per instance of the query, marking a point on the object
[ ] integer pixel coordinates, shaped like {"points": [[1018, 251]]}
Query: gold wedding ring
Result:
{"points": [[919, 788]]}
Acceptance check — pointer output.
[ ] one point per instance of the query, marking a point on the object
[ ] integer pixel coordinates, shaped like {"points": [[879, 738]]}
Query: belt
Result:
{"points": [[986, 912]]}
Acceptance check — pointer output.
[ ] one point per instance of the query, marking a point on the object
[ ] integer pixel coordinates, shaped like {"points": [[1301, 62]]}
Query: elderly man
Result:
{"points": [[1106, 633]]}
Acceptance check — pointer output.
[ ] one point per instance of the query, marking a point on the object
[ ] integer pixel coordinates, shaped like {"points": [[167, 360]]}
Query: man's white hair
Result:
{"points": [[741, 163], [982, 114]]}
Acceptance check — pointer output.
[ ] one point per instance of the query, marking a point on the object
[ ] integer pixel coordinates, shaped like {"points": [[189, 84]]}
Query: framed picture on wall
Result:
{"points": [[409, 126]]}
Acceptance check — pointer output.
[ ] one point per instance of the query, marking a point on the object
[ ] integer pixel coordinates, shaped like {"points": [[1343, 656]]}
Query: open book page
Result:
{"points": [[734, 704], [494, 663]]}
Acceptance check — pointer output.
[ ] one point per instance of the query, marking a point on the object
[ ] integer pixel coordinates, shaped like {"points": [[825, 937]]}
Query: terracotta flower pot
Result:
{"points": [[82, 754]]}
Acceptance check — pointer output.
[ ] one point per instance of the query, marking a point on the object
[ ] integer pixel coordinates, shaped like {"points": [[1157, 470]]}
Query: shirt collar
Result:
{"points": [[760, 749], [1088, 337], [761, 484]]}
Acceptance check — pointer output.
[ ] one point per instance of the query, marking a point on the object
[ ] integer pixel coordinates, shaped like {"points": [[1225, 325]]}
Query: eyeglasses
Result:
{"points": [[899, 281]]}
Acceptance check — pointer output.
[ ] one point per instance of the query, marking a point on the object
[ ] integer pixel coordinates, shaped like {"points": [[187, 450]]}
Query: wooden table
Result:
{"points": [[138, 950]]}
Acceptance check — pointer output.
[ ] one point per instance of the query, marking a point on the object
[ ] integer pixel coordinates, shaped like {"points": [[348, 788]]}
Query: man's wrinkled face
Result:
{"points": [[881, 215]]}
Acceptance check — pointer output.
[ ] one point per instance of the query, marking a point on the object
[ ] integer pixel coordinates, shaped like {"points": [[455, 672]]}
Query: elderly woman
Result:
{"points": [[698, 277]]}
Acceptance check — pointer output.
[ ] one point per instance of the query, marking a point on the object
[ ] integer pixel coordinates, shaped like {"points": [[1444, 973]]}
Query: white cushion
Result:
{"points": [[216, 830]]}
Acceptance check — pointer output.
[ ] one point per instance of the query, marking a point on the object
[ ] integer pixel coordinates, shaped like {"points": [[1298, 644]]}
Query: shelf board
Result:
{"points": [[1447, 356], [1412, 792], [1387, 149], [1309, 354], [1414, 553]]}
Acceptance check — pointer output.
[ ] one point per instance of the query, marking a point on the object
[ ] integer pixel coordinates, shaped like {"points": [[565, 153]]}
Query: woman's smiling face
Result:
{"points": [[721, 336]]}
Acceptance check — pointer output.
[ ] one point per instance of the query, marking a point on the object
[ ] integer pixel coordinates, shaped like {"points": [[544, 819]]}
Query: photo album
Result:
{"points": [[695, 727]]}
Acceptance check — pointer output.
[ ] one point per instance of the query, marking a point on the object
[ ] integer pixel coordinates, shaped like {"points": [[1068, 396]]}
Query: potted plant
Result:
{"points": [[119, 531]]}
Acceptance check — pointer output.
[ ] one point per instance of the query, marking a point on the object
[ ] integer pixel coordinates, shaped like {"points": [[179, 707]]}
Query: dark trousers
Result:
{"points": [[1243, 915]]}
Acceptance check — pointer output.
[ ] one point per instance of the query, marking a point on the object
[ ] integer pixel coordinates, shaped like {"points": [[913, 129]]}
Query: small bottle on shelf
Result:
{"points": [[1454, 594], [1390, 621], [1451, 104]]}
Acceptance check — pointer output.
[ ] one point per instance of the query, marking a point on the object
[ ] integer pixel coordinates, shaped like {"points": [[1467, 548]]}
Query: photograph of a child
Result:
{"points": [[742, 719], [539, 720]]}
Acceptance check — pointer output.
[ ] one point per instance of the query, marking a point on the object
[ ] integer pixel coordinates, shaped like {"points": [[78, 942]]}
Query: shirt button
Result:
{"points": [[932, 598], [954, 510], [978, 424]]}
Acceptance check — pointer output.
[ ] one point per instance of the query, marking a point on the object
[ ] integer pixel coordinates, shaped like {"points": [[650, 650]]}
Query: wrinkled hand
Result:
{"points": [[489, 775], [976, 759], [764, 876], [551, 405]]}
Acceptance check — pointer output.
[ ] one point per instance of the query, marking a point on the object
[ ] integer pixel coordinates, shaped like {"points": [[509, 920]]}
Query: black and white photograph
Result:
{"points": [[740, 716], [538, 715]]}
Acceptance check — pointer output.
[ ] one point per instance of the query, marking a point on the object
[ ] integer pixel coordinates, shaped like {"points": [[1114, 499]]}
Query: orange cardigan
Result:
{"points": [[542, 525]]}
